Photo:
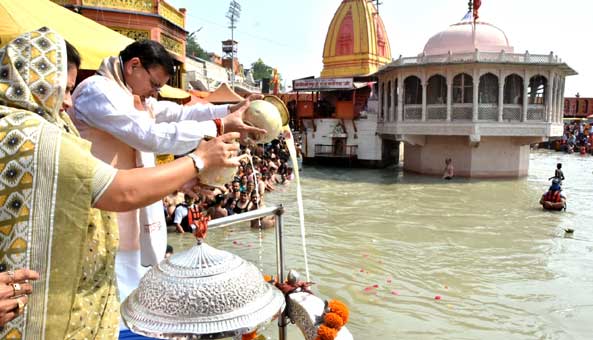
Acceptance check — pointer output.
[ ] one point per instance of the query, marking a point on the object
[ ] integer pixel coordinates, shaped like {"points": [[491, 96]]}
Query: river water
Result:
{"points": [[502, 267]]}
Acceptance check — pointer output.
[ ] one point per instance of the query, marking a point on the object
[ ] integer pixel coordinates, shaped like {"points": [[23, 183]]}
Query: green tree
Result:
{"points": [[192, 48], [261, 70]]}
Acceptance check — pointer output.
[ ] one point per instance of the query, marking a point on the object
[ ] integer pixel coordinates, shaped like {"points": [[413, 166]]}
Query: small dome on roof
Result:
{"points": [[458, 38]]}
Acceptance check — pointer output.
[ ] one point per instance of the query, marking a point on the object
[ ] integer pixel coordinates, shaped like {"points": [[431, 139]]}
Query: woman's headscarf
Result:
{"points": [[49, 180], [33, 75]]}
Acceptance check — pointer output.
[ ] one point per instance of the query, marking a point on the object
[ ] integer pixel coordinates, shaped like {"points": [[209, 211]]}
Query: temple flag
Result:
{"points": [[477, 4]]}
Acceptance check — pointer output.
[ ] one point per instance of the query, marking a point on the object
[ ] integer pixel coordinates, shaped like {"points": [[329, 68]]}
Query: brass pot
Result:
{"points": [[264, 115], [218, 177]]}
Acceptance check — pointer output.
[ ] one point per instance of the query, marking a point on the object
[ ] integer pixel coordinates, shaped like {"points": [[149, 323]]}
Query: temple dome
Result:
{"points": [[356, 43], [458, 38]]}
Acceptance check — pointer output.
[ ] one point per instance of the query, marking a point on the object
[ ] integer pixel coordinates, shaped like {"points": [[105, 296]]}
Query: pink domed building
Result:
{"points": [[468, 96]]}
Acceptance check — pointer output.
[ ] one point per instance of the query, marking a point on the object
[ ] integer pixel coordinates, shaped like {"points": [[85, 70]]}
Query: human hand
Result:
{"points": [[234, 123], [220, 151], [14, 291]]}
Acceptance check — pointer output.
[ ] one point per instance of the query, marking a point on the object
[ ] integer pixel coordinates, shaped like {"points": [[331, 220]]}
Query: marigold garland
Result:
{"points": [[335, 316], [249, 336], [326, 333], [333, 320], [270, 279], [339, 308]]}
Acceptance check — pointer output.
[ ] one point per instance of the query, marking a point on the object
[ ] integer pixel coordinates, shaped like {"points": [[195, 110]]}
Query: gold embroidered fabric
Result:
{"points": [[47, 181]]}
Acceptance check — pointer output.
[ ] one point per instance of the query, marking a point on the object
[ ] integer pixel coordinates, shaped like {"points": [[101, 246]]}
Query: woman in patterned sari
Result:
{"points": [[50, 189]]}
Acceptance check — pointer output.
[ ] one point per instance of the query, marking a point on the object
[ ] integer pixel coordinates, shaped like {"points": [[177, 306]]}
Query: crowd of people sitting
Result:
{"points": [[269, 167], [577, 137]]}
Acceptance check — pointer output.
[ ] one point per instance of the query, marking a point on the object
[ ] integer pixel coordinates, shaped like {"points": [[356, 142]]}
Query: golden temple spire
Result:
{"points": [[356, 43]]}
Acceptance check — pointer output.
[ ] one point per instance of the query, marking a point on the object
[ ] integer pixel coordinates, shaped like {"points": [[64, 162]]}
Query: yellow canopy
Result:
{"points": [[94, 41], [170, 92]]}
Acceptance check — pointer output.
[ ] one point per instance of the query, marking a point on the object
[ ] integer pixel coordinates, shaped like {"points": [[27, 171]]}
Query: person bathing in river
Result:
{"points": [[449, 171], [217, 210], [264, 222]]}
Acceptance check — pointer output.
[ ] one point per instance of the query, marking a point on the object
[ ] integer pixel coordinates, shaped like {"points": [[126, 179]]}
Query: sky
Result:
{"points": [[290, 35]]}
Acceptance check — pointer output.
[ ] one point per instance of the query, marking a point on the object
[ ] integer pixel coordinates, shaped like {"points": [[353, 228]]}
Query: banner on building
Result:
{"points": [[316, 84]]}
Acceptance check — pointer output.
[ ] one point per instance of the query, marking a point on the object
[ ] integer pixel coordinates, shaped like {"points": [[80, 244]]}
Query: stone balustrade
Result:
{"points": [[478, 57]]}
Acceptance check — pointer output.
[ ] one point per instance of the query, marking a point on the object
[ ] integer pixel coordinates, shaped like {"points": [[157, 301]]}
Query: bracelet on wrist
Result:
{"points": [[219, 126]]}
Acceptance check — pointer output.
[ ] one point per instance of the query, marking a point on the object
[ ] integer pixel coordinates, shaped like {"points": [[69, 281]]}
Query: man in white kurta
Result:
{"points": [[114, 109]]}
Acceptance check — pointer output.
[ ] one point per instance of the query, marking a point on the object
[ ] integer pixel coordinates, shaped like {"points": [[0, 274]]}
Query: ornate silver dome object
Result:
{"points": [[201, 293]]}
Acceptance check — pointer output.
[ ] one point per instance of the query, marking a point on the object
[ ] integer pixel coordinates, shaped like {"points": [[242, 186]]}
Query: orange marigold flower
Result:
{"points": [[333, 320], [270, 278], [326, 333], [249, 336], [339, 308]]}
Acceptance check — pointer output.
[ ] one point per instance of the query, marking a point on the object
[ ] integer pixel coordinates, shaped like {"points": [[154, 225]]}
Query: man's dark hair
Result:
{"points": [[72, 55], [150, 53]]}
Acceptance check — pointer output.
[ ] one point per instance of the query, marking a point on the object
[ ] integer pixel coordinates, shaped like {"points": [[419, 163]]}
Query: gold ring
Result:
{"points": [[10, 275], [16, 288], [21, 306]]}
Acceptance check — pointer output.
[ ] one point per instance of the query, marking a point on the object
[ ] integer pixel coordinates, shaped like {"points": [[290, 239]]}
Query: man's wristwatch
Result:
{"points": [[198, 162]]}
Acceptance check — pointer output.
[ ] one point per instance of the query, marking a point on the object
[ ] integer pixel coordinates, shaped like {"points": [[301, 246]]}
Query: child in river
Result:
{"points": [[558, 174]]}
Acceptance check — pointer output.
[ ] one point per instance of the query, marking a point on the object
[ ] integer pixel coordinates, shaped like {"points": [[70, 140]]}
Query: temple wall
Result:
{"points": [[369, 144], [492, 157]]}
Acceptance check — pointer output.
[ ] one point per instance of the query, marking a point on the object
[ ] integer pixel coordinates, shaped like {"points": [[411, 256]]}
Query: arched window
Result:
{"points": [[576, 106], [395, 88], [413, 90], [537, 90], [382, 100], [488, 93], [436, 92], [555, 95], [513, 90], [388, 92], [463, 89]]}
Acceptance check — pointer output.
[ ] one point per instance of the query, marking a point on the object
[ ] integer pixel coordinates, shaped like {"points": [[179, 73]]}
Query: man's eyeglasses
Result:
{"points": [[153, 83]]}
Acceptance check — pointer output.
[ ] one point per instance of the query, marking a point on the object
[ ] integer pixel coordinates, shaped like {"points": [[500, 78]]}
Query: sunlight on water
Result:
{"points": [[503, 267]]}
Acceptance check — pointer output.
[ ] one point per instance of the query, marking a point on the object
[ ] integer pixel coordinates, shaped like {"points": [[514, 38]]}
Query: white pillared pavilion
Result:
{"points": [[468, 96]]}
